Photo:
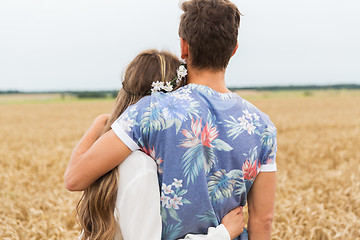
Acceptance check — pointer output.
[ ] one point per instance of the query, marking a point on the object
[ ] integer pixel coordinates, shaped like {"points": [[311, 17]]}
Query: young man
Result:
{"points": [[215, 151]]}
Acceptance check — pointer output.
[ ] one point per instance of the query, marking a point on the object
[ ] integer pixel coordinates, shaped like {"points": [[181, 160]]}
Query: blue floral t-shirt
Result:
{"points": [[209, 148]]}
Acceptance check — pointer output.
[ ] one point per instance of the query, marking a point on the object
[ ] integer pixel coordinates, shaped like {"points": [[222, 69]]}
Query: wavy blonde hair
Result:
{"points": [[95, 209]]}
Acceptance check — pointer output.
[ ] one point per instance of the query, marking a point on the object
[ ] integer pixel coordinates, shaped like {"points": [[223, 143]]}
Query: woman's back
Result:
{"points": [[138, 194]]}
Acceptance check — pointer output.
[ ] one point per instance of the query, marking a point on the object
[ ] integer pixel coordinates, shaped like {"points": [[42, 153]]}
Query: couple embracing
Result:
{"points": [[180, 155]]}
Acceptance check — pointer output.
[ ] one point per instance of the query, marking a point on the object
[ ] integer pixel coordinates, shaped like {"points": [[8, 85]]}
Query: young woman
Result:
{"points": [[127, 198]]}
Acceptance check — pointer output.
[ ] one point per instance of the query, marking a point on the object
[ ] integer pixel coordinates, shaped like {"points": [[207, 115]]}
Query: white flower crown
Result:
{"points": [[169, 86]]}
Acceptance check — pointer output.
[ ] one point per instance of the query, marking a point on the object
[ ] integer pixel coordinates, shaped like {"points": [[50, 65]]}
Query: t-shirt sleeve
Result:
{"points": [[269, 148], [129, 126]]}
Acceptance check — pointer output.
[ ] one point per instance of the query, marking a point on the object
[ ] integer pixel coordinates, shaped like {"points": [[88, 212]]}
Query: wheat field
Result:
{"points": [[318, 187]]}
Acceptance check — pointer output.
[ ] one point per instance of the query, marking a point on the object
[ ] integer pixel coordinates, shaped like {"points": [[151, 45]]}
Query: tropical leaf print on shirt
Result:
{"points": [[268, 142], [178, 108], [222, 185], [250, 166], [172, 198], [171, 231], [152, 119], [163, 112], [127, 120], [202, 141], [206, 162], [248, 122], [208, 217], [156, 157]]}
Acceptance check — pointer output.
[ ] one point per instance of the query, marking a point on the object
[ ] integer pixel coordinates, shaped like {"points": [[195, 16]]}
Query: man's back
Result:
{"points": [[209, 147]]}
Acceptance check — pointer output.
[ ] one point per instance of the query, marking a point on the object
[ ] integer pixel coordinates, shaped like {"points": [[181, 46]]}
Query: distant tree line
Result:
{"points": [[305, 87], [10, 92], [78, 94], [95, 94], [113, 94]]}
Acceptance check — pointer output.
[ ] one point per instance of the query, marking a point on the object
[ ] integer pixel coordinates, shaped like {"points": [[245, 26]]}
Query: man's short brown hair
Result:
{"points": [[211, 28]]}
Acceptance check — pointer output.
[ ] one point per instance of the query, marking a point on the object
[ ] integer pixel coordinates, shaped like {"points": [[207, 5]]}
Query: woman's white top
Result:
{"points": [[138, 202]]}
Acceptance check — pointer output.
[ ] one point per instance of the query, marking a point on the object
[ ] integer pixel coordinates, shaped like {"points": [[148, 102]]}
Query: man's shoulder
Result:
{"points": [[257, 113], [140, 104]]}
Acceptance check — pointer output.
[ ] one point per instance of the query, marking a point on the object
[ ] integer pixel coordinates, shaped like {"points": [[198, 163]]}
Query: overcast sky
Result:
{"points": [[85, 45]]}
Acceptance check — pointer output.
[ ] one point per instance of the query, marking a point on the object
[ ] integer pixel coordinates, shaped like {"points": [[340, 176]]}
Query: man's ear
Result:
{"points": [[235, 49], [184, 48]]}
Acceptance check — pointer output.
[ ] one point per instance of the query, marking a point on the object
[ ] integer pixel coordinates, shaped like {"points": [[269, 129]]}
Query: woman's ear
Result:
{"points": [[184, 48]]}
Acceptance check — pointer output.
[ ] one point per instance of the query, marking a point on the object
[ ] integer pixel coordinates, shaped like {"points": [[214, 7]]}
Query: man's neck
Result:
{"points": [[209, 78]]}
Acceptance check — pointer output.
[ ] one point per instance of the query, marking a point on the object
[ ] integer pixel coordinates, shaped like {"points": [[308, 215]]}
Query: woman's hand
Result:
{"points": [[234, 222], [102, 118], [99, 123]]}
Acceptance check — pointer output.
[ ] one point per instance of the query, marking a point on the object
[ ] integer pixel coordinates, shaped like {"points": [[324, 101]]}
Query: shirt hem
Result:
{"points": [[268, 168]]}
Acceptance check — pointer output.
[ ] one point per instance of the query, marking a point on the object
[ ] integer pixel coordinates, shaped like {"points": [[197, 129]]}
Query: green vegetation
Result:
{"points": [[78, 94], [305, 87], [15, 97], [106, 94]]}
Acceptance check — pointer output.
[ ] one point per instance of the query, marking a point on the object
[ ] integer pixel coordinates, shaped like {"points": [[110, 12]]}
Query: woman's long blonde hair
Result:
{"points": [[95, 209]]}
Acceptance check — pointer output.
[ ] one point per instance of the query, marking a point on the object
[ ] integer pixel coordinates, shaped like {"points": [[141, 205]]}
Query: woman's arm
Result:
{"points": [[232, 225], [261, 200], [218, 233], [91, 135], [94, 156]]}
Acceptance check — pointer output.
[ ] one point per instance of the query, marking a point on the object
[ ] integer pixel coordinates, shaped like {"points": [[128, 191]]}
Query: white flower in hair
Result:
{"points": [[168, 87], [157, 86], [182, 71]]}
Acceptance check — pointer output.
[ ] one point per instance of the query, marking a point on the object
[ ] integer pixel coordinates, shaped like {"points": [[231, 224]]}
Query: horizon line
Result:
{"points": [[265, 87]]}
